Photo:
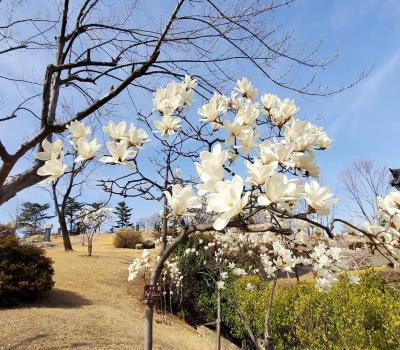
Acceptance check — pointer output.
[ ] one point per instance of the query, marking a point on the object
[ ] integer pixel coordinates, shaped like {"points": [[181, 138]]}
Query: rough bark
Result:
{"points": [[90, 246], [61, 219], [65, 234]]}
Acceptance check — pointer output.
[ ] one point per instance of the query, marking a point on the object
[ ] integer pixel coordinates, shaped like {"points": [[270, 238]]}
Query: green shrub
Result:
{"points": [[7, 229], [25, 271], [365, 316], [125, 238], [197, 300]]}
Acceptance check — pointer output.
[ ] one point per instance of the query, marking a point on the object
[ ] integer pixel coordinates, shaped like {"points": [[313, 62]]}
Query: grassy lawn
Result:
{"points": [[91, 307]]}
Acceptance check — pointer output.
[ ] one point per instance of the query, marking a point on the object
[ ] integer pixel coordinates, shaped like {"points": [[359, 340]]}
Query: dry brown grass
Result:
{"points": [[91, 307]]}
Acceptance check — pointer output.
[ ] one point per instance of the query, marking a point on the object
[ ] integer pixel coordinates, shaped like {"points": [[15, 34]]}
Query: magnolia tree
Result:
{"points": [[254, 160], [91, 219]]}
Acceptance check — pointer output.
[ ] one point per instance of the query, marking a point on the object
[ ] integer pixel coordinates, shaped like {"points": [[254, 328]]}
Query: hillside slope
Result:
{"points": [[91, 308]]}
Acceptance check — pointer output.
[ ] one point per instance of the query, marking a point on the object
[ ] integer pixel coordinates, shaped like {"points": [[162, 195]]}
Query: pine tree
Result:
{"points": [[123, 212], [33, 214]]}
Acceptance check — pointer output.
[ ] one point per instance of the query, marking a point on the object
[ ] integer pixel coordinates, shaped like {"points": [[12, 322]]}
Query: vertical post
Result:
{"points": [[218, 320], [148, 326], [268, 345]]}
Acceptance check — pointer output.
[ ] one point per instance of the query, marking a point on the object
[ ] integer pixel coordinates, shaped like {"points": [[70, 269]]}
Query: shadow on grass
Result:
{"points": [[25, 343], [58, 298]]}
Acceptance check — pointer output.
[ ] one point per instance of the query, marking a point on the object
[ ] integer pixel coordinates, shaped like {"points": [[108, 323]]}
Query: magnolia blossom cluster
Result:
{"points": [[93, 218], [172, 271], [124, 143], [142, 262], [327, 261], [53, 156], [278, 152], [385, 231], [122, 148], [287, 149], [169, 101]]}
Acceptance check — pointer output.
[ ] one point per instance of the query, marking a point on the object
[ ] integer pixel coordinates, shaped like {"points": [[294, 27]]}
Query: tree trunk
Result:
{"points": [[61, 219], [164, 226], [148, 326], [65, 234], [155, 275], [89, 246], [218, 321], [268, 344]]}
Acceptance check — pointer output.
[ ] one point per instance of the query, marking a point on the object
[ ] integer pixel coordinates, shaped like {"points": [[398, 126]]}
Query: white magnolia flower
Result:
{"points": [[216, 156], [248, 141], [210, 173], [224, 275], [235, 130], [218, 104], [137, 137], [182, 199], [324, 284], [250, 287], [227, 201], [189, 83], [78, 129], [50, 150], [258, 172], [269, 100], [247, 113], [279, 188], [306, 135], [245, 87], [119, 153], [175, 95], [211, 168], [209, 111], [86, 150], [306, 162], [282, 112], [324, 141], [168, 125], [238, 271], [280, 152], [390, 203], [220, 285], [116, 132], [52, 169], [318, 197], [168, 99], [354, 279]]}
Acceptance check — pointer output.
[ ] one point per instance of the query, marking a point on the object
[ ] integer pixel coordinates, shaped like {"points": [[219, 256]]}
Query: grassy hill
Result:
{"points": [[92, 307]]}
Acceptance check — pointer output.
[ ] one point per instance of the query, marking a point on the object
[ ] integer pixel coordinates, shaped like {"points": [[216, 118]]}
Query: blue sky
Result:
{"points": [[363, 121]]}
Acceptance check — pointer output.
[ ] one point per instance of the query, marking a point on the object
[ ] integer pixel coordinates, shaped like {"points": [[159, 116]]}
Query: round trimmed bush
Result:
{"points": [[126, 238], [25, 271]]}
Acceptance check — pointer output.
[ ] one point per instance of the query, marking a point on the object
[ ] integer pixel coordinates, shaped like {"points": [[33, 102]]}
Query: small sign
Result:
{"points": [[152, 292], [50, 226]]}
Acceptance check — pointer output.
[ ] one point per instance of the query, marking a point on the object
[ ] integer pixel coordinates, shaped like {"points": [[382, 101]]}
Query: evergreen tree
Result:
{"points": [[71, 208], [123, 212], [33, 214]]}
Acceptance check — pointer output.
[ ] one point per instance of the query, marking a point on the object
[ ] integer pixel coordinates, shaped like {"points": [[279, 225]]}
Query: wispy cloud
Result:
{"points": [[367, 90]]}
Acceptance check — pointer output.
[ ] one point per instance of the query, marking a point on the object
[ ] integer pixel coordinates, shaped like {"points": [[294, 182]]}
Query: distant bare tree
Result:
{"points": [[96, 51], [150, 222], [361, 182]]}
